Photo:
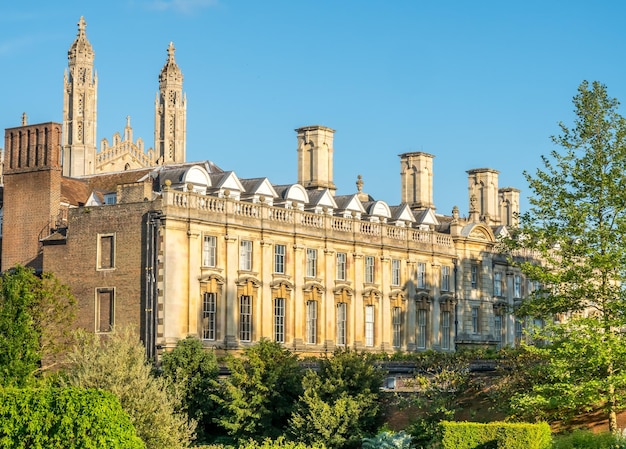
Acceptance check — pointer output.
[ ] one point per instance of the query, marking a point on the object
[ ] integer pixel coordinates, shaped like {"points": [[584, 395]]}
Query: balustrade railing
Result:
{"points": [[191, 200]]}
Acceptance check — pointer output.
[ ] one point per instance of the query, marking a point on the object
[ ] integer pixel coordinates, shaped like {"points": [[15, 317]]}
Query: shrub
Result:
{"points": [[279, 443], [585, 439], [496, 435], [71, 418], [388, 440]]}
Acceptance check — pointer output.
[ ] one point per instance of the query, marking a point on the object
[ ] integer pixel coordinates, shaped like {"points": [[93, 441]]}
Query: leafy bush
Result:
{"points": [[388, 440], [585, 439], [279, 443], [118, 364], [496, 435], [41, 418]]}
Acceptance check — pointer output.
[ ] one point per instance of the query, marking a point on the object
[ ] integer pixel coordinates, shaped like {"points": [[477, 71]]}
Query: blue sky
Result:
{"points": [[475, 83]]}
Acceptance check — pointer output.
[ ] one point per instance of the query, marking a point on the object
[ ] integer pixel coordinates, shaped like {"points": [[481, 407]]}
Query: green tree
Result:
{"points": [[341, 403], [193, 370], [576, 228], [257, 399], [440, 381], [35, 318], [118, 364], [72, 418]]}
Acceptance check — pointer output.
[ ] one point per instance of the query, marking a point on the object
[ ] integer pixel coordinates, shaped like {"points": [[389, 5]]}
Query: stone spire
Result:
{"points": [[170, 133], [79, 107]]}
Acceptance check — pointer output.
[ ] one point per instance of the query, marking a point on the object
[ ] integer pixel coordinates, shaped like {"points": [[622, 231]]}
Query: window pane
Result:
{"points": [[208, 316], [421, 328], [497, 283], [421, 275], [397, 327], [311, 263], [341, 266], [369, 269], [369, 325], [279, 258], [245, 255], [245, 318], [311, 322], [498, 327], [445, 278], [395, 272], [445, 329], [208, 251], [341, 323], [475, 320], [279, 320], [474, 276]]}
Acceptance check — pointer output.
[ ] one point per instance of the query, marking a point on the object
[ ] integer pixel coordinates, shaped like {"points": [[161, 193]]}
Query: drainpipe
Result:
{"points": [[456, 301], [151, 287]]}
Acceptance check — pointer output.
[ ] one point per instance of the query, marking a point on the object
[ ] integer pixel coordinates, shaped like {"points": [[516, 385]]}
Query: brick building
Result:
{"points": [[180, 248]]}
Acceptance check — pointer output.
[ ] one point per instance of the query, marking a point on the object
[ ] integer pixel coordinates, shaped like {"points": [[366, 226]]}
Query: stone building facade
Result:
{"points": [[185, 248]]}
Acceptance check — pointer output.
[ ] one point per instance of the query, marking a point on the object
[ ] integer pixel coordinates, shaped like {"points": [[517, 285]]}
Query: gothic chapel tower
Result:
{"points": [[79, 108], [170, 113]]}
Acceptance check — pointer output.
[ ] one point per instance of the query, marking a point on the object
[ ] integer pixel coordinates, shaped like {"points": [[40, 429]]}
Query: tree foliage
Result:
{"points": [[35, 318], [278, 443], [440, 381], [71, 418], [576, 227], [193, 371], [340, 404], [257, 399], [118, 364]]}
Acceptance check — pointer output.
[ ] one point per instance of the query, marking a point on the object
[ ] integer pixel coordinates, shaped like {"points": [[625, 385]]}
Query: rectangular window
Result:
{"points": [[208, 316], [396, 322], [474, 276], [445, 278], [341, 266], [311, 322], [475, 327], [105, 308], [110, 198], [209, 247], [497, 325], [245, 318], [421, 275], [519, 331], [245, 255], [395, 272], [369, 269], [517, 286], [106, 251], [279, 320], [369, 326], [421, 328], [497, 283], [311, 263], [279, 258], [445, 329], [342, 309]]}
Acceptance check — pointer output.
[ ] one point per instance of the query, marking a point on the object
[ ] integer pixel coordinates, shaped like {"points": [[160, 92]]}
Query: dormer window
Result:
{"points": [[110, 198]]}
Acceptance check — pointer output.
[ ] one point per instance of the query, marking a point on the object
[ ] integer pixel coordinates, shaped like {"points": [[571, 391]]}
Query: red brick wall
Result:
{"points": [[32, 191]]}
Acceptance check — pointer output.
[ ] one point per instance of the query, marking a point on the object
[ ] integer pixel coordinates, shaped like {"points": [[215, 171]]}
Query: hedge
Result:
{"points": [[496, 435], [72, 418]]}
